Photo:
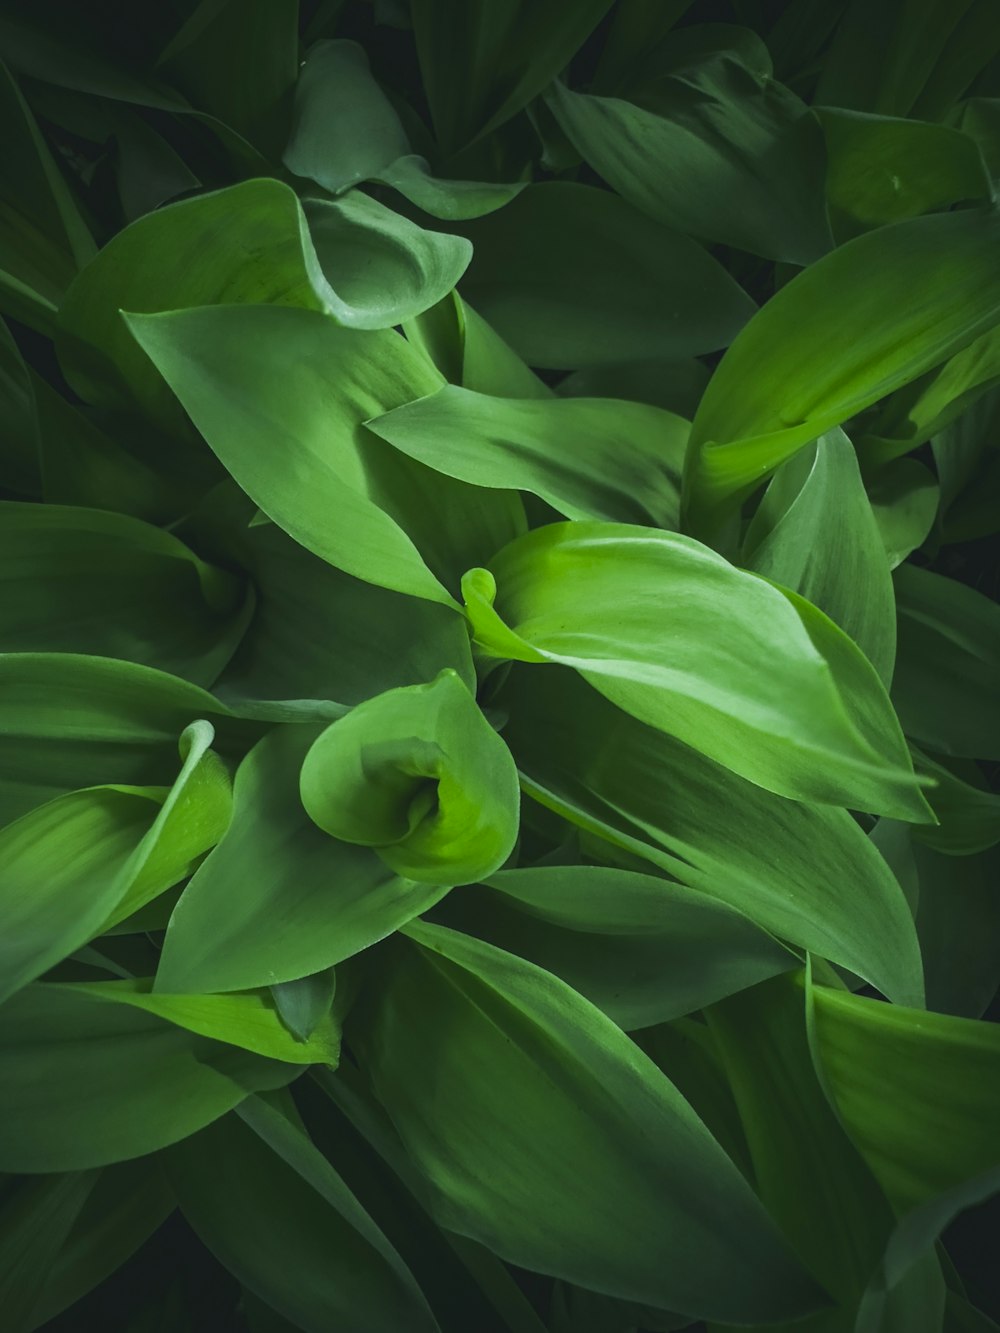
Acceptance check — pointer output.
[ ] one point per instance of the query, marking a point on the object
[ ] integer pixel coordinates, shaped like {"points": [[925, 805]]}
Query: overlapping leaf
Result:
{"points": [[748, 674]]}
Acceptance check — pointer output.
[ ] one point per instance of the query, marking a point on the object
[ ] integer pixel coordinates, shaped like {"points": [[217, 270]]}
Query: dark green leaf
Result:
{"points": [[536, 279], [948, 664], [137, 1081], [71, 722], [483, 60], [279, 899], [643, 949], [87, 581], [881, 169], [654, 798], [278, 1215], [745, 154], [919, 1093], [543, 1132]]}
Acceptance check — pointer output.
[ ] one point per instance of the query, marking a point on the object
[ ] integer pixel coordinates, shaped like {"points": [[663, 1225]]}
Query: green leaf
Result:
{"points": [[648, 795], [653, 292], [904, 497], [588, 458], [297, 646], [968, 815], [910, 57], [745, 154], [248, 244], [881, 169], [70, 722], [809, 1175], [253, 376], [125, 1207], [469, 352], [138, 1082], [419, 775], [238, 61], [749, 674], [305, 1002], [247, 1019], [483, 60], [834, 340], [919, 1093], [87, 581], [946, 669], [927, 407], [43, 238], [88, 859], [814, 532], [19, 433], [382, 268], [642, 949], [278, 899], [36, 1216], [346, 130], [275, 1212], [674, 385], [958, 920], [543, 1132]]}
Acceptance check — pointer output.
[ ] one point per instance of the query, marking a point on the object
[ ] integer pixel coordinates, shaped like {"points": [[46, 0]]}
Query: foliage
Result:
{"points": [[499, 653]]}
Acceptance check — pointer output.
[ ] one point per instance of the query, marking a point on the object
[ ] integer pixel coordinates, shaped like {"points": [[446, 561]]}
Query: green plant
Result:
{"points": [[499, 649]]}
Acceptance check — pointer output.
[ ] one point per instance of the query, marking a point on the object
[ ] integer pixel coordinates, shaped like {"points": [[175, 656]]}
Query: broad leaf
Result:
{"points": [[71, 722], [247, 244], [36, 1216], [319, 634], [542, 1131], [138, 1082], [752, 676], [814, 532], [346, 130], [649, 796], [949, 659], [238, 60], [277, 1215], [483, 60], [248, 1019], [88, 859], [382, 268], [834, 340], [278, 899], [809, 1174], [904, 497], [588, 458], [642, 949], [714, 147], [968, 814], [252, 377], [86, 581], [419, 775], [881, 169], [654, 292], [123, 1209], [919, 1093], [958, 920]]}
